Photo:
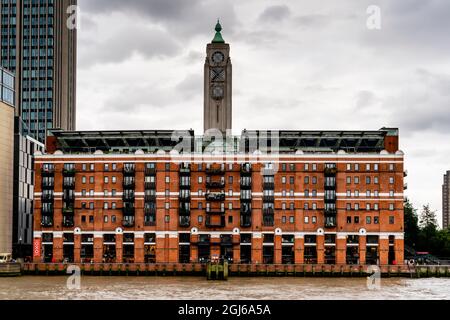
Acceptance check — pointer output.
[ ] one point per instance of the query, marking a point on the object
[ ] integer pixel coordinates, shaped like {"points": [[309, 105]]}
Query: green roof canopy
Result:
{"points": [[218, 37]]}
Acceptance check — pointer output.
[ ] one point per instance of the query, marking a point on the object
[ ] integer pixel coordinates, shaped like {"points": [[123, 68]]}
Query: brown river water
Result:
{"points": [[190, 288]]}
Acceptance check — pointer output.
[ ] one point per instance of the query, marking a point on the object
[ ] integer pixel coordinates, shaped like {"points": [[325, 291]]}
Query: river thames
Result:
{"points": [[191, 288]]}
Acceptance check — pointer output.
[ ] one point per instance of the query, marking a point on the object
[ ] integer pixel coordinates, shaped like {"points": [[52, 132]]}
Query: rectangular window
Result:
{"points": [[113, 206], [375, 207], [375, 167], [368, 207], [349, 166], [306, 166], [391, 207], [349, 206], [283, 180], [314, 220], [92, 167], [368, 180], [306, 220], [167, 205], [114, 166], [291, 220], [283, 220], [200, 219], [84, 167], [314, 167], [167, 179], [106, 179], [356, 219], [349, 180], [368, 167], [349, 220], [106, 167], [106, 206], [356, 180], [83, 180], [356, 166], [376, 180], [368, 220], [376, 220], [91, 179], [391, 220], [200, 179], [391, 167], [113, 179]]}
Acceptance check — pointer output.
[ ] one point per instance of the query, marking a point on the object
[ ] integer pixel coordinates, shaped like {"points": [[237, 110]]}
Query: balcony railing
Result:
{"points": [[184, 211], [330, 212], [128, 222], [128, 211], [47, 197], [215, 196], [330, 172], [215, 185], [330, 222], [47, 221], [215, 171], [268, 220], [246, 200], [246, 171], [150, 197], [69, 172], [129, 184], [68, 210], [185, 186], [214, 211], [48, 185], [69, 184], [48, 172], [47, 210], [150, 171], [246, 220], [129, 197], [268, 198], [68, 222], [185, 221], [150, 220], [149, 211], [129, 170], [269, 211], [330, 199], [210, 224], [269, 186], [150, 185], [185, 172], [246, 186]]}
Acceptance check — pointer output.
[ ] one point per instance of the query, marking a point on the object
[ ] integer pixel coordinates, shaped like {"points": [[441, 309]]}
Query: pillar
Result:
{"points": [[362, 249], [299, 250], [399, 247], [139, 247], [98, 248], [160, 248], [194, 248], [277, 249], [77, 248], [236, 248], [257, 252], [383, 249], [341, 249], [58, 243], [320, 247], [173, 248]]}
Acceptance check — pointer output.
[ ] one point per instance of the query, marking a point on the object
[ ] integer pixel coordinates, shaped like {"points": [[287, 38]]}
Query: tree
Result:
{"points": [[411, 225], [428, 229], [428, 218]]}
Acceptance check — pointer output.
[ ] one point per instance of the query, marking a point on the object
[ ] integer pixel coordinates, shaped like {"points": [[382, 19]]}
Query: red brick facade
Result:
{"points": [[366, 224]]}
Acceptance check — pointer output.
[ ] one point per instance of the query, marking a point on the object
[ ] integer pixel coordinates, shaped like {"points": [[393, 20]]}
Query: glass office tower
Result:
{"points": [[38, 46]]}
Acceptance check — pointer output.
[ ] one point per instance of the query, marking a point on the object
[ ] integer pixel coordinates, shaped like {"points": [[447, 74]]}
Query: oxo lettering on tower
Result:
{"points": [[261, 197]]}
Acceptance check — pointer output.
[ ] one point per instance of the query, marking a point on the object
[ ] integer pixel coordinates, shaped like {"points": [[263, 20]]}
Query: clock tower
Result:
{"points": [[218, 85]]}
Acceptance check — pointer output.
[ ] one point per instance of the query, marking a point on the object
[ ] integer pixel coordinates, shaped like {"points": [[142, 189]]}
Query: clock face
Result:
{"points": [[218, 57], [217, 92], [217, 74]]}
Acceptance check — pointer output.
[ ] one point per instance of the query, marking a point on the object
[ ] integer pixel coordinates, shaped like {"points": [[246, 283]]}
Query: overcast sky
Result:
{"points": [[296, 65]]}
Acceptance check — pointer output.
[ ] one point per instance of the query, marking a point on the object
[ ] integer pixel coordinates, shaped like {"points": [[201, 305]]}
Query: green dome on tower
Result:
{"points": [[218, 37]]}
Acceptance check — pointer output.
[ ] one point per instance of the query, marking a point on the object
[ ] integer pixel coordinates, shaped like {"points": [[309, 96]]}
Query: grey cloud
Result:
{"points": [[120, 46], [182, 18], [274, 13], [365, 99]]}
